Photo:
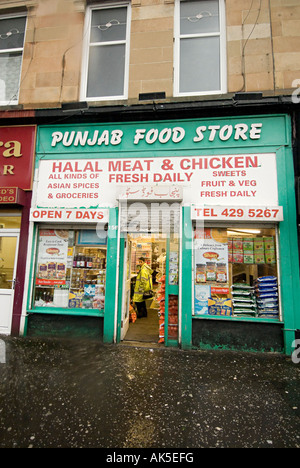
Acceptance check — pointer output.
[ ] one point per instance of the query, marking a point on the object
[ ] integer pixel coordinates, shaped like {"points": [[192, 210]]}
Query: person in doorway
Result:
{"points": [[143, 284]]}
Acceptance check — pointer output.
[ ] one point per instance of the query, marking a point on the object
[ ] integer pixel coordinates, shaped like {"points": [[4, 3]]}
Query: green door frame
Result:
{"points": [[170, 290]]}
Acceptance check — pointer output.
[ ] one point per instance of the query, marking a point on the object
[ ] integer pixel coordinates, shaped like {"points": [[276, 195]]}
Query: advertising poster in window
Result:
{"points": [[52, 257], [211, 266]]}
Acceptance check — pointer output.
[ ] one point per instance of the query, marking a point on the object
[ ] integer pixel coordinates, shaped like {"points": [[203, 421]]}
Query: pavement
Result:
{"points": [[60, 393]]}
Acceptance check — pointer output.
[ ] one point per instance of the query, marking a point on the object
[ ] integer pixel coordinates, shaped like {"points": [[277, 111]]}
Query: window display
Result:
{"points": [[70, 270], [236, 272]]}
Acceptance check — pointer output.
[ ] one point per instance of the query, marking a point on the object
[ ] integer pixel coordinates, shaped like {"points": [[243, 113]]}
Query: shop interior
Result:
{"points": [[236, 272], [9, 220], [71, 269], [153, 248]]}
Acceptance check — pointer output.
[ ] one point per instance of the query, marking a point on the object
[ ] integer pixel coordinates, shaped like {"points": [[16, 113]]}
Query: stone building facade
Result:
{"points": [[262, 48]]}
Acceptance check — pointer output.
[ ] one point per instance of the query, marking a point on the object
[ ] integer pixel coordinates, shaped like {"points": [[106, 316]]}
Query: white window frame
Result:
{"points": [[86, 49], [12, 102], [223, 63]]}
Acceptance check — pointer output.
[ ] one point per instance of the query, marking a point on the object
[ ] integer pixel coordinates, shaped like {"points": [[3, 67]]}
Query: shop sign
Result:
{"points": [[172, 135], [11, 195], [17, 146], [64, 215], [237, 213], [222, 179], [151, 192]]}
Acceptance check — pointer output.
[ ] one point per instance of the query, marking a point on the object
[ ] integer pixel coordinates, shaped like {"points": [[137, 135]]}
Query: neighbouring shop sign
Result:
{"points": [[237, 213], [221, 179], [17, 146], [62, 215], [12, 195]]}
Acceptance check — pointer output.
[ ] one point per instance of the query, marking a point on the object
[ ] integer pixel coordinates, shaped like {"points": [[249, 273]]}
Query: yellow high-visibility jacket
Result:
{"points": [[143, 283]]}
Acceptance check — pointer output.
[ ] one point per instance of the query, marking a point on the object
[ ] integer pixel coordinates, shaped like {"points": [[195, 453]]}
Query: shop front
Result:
{"points": [[17, 161], [207, 206]]}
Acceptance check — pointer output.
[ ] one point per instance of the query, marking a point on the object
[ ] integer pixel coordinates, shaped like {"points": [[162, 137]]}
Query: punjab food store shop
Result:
{"points": [[208, 204]]}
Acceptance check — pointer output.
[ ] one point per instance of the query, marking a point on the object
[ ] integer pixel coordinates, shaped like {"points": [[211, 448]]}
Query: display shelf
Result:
{"points": [[84, 283], [144, 251]]}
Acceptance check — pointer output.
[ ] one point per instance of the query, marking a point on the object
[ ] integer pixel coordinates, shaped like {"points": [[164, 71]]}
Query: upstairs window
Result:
{"points": [[106, 57], [200, 58], [12, 32]]}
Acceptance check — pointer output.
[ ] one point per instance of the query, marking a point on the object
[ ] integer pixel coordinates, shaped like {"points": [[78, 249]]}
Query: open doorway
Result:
{"points": [[153, 248]]}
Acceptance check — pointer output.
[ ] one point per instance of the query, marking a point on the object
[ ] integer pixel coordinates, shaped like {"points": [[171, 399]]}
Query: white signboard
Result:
{"points": [[237, 213], [215, 179], [64, 215]]}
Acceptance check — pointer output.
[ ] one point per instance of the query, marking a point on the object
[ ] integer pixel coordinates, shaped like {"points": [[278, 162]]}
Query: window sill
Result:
{"points": [[237, 319], [10, 105], [105, 101], [62, 311], [200, 93]]}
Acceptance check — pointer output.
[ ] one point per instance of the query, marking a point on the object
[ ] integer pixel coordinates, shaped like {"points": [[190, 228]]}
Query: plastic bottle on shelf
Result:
{"points": [[78, 260]]}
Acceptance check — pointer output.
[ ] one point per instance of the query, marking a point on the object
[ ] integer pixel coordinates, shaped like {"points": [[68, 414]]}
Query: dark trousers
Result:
{"points": [[141, 309]]}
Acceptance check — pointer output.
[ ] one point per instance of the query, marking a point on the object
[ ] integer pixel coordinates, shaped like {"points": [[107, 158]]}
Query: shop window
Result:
{"points": [[10, 220], [200, 57], [236, 273], [71, 269], [12, 33], [106, 58]]}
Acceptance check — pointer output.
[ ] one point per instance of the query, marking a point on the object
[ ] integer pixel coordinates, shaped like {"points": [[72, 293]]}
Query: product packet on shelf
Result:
{"points": [[244, 300], [202, 293], [217, 306], [266, 289], [75, 299]]}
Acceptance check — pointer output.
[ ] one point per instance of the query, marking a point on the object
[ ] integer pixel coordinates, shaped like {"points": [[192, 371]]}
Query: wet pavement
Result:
{"points": [[57, 393]]}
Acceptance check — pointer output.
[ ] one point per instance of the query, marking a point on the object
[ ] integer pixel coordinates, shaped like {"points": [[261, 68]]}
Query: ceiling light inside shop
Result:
{"points": [[243, 231]]}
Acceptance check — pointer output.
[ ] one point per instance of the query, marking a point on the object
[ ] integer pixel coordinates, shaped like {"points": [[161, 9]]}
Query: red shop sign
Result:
{"points": [[17, 145], [11, 195]]}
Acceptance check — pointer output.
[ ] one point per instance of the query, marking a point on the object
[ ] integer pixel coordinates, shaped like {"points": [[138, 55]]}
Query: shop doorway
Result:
{"points": [[153, 248], [9, 242], [152, 231]]}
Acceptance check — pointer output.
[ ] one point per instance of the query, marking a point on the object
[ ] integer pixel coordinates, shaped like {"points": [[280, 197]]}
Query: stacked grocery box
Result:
{"points": [[160, 298], [243, 300], [266, 288], [269, 248], [248, 250], [173, 317], [237, 250], [257, 250], [240, 250], [264, 250]]}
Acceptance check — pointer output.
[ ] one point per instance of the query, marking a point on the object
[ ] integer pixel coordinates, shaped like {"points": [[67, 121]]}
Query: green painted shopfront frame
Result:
{"points": [[170, 140]]}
